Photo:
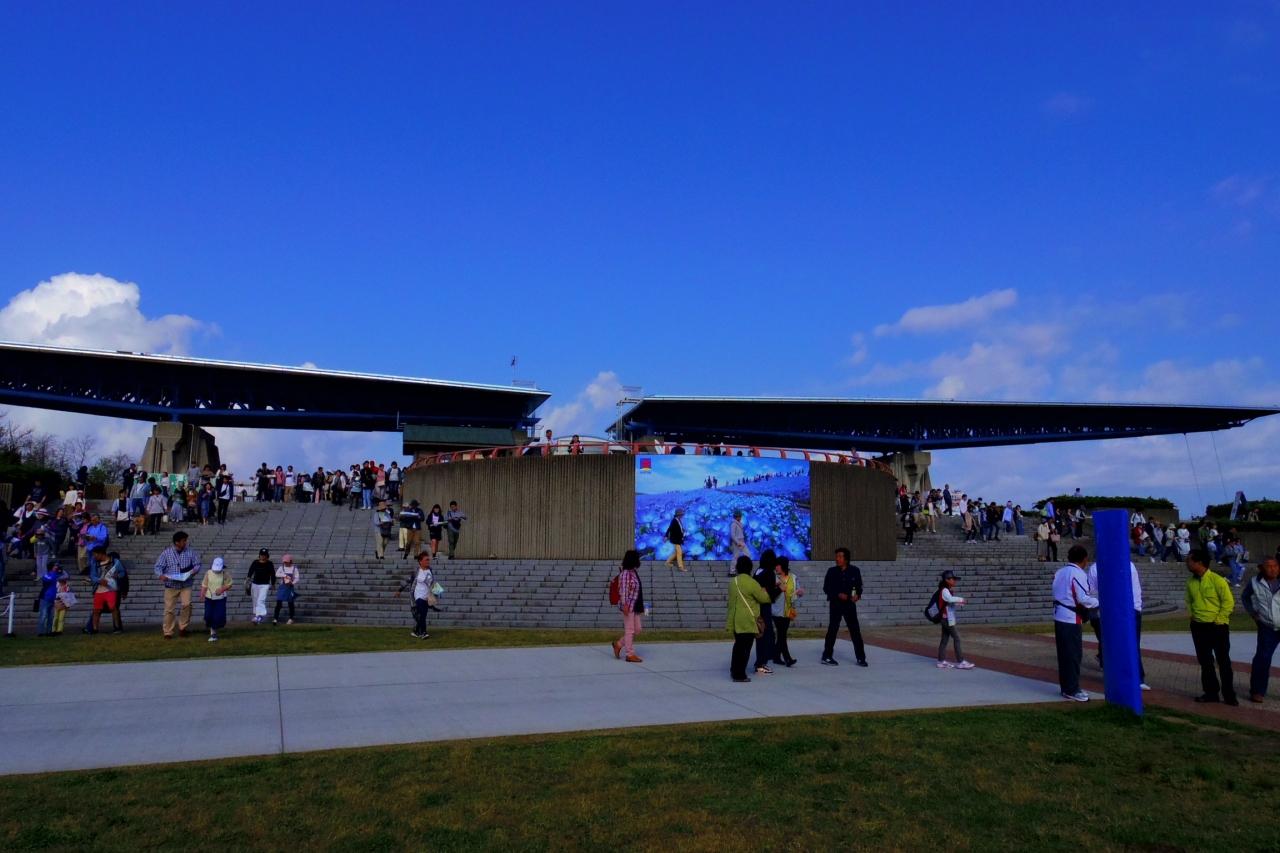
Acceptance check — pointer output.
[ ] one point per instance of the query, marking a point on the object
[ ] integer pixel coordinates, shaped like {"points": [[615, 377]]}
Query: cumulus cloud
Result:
{"points": [[937, 318], [1066, 105], [96, 312], [585, 414]]}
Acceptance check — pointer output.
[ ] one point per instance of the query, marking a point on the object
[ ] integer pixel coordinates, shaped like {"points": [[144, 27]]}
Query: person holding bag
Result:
{"points": [[631, 605], [743, 617], [421, 581]]}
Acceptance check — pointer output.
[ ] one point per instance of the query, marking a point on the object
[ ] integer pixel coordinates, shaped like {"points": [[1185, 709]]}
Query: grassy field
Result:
{"points": [[1150, 624], [1038, 778], [246, 639]]}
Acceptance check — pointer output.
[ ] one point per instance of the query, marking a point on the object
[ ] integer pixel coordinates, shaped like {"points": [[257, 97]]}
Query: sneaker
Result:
{"points": [[743, 680], [275, 621], [830, 662], [763, 670], [289, 622], [213, 638], [943, 665], [964, 664], [863, 663], [1144, 686], [415, 635], [1076, 697]]}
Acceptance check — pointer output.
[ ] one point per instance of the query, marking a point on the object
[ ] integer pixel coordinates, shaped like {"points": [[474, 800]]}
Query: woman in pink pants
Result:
{"points": [[631, 604]]}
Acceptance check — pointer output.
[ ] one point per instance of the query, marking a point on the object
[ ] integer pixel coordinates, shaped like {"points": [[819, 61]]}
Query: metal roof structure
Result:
{"points": [[206, 392], [900, 425]]}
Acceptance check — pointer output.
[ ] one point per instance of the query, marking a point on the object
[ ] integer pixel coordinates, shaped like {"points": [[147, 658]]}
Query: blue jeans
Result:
{"points": [[1268, 639], [44, 624], [366, 496], [1237, 572]]}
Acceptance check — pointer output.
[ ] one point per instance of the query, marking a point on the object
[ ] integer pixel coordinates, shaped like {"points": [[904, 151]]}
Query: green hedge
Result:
{"points": [[1267, 510], [1095, 501]]}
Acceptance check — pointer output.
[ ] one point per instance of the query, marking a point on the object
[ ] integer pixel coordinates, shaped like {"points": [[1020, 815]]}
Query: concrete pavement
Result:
{"points": [[87, 716]]}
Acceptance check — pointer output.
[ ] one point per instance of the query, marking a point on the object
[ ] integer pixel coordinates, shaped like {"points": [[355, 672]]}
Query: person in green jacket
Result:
{"points": [[745, 598], [1209, 603]]}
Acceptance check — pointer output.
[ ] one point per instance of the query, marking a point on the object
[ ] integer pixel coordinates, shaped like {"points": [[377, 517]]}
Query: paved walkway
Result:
{"points": [[77, 717]]}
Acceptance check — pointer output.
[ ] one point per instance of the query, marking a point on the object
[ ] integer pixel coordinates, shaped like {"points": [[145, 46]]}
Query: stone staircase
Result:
{"points": [[342, 582]]}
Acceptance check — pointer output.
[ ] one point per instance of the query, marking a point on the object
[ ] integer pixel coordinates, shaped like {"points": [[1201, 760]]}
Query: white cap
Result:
{"points": [[217, 564]]}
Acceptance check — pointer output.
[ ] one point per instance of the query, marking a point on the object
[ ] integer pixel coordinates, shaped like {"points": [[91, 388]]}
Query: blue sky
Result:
{"points": [[705, 200]]}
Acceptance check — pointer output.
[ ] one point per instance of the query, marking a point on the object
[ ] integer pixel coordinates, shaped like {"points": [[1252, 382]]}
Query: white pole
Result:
{"points": [[10, 612]]}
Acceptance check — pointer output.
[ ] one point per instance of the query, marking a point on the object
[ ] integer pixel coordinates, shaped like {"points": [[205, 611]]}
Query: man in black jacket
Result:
{"points": [[675, 535], [843, 588]]}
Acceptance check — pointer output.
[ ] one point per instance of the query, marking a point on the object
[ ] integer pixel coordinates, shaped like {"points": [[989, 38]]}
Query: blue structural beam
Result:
{"points": [[1119, 623]]}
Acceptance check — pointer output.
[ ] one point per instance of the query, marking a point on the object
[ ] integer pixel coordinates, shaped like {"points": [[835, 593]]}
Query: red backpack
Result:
{"points": [[615, 590]]}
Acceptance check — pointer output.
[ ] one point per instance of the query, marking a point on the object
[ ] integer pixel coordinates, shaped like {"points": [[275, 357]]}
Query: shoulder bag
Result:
{"points": [[747, 604]]}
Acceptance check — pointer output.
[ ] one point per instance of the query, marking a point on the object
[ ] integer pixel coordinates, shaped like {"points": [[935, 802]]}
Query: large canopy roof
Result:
{"points": [[235, 394], [899, 425]]}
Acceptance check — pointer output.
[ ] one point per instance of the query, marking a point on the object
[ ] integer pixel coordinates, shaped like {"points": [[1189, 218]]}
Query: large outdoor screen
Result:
{"points": [[773, 495]]}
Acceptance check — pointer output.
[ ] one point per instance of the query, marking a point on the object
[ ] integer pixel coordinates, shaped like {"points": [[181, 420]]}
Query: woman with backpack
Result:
{"points": [[631, 605], [287, 590], [946, 601], [743, 617]]}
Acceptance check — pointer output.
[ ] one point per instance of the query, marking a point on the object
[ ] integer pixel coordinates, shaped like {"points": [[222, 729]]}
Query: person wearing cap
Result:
{"points": [[262, 577], [675, 535], [412, 516], [217, 581], [382, 522], [948, 602], [287, 592]]}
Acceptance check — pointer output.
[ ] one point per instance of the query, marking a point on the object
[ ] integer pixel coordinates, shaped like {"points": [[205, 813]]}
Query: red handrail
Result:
{"points": [[593, 446]]}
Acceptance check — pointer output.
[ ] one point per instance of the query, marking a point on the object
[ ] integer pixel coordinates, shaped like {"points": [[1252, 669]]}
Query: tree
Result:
{"points": [[76, 451], [110, 469]]}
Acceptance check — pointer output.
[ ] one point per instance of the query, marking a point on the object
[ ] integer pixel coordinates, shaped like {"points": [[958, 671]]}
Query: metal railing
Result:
{"points": [[600, 447]]}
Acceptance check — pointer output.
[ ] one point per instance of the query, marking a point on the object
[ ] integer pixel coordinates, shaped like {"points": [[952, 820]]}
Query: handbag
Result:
{"points": [[759, 619]]}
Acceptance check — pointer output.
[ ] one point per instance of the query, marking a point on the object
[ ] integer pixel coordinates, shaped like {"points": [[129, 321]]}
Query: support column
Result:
{"points": [[174, 447], [911, 469]]}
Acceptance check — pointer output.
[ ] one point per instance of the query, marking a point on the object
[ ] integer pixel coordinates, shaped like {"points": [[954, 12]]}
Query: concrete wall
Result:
{"points": [[583, 507], [536, 507], [852, 507]]}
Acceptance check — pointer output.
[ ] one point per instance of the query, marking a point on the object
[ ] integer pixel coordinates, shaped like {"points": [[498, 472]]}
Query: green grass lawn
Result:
{"points": [[146, 643], [1150, 624], [1031, 778]]}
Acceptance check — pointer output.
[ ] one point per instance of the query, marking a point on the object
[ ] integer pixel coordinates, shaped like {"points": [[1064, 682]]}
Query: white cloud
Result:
{"points": [[1066, 105], [585, 414], [94, 312], [1239, 190], [936, 318], [859, 354]]}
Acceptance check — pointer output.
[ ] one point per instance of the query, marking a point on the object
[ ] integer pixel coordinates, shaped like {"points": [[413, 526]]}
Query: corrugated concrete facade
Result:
{"points": [[536, 507], [583, 507], [852, 507]]}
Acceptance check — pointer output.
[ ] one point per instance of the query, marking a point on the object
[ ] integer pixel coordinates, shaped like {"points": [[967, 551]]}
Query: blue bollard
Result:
{"points": [[1119, 628]]}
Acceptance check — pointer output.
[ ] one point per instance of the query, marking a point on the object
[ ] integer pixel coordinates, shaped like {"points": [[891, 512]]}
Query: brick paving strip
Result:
{"points": [[1174, 678]]}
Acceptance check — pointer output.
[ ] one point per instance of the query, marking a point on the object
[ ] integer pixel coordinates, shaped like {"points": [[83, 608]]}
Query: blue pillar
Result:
{"points": [[1115, 592]]}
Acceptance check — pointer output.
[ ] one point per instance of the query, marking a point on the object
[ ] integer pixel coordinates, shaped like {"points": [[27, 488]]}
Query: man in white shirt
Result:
{"points": [[1070, 596], [1096, 621]]}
